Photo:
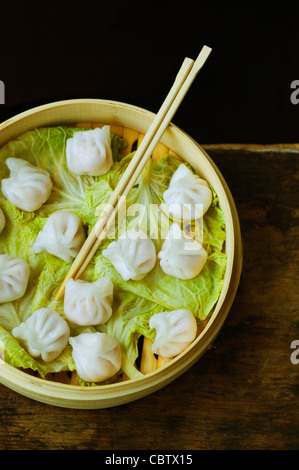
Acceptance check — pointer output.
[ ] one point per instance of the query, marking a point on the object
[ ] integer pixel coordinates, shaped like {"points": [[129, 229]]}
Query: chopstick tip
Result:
{"points": [[206, 50]]}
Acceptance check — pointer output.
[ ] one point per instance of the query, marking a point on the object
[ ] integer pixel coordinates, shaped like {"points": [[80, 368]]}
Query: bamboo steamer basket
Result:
{"points": [[131, 122]]}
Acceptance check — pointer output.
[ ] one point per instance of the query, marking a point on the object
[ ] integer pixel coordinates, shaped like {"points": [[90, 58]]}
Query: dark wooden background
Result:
{"points": [[243, 393]]}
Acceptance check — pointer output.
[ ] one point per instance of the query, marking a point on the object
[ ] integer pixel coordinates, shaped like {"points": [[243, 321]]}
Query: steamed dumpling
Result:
{"points": [[175, 331], [89, 152], [97, 356], [133, 255], [62, 236], [28, 187], [188, 196], [181, 256], [14, 276], [44, 334], [2, 220], [88, 303]]}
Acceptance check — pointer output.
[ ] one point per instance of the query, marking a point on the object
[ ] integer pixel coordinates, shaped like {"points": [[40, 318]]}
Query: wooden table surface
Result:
{"points": [[244, 392]]}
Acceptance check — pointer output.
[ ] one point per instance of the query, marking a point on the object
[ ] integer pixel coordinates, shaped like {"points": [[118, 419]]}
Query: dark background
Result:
{"points": [[243, 394], [131, 51]]}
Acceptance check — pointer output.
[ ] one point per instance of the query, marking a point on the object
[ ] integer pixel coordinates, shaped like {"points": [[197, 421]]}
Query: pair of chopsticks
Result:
{"points": [[181, 85]]}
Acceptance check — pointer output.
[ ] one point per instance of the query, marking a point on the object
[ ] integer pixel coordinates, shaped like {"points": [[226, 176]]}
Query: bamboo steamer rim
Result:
{"points": [[133, 117]]}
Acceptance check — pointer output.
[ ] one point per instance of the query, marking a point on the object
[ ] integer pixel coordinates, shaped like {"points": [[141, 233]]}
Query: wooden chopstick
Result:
{"points": [[143, 160], [181, 85]]}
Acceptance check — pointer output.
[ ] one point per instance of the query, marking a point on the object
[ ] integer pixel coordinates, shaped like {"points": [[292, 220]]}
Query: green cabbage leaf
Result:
{"points": [[134, 301]]}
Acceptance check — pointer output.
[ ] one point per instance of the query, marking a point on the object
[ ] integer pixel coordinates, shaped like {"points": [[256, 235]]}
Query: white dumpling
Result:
{"points": [[62, 236], [44, 334], [133, 255], [175, 331], [181, 256], [14, 276], [88, 303], [28, 187], [97, 356], [188, 196], [89, 152], [2, 220]]}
